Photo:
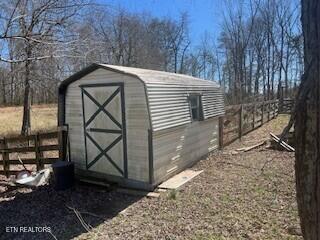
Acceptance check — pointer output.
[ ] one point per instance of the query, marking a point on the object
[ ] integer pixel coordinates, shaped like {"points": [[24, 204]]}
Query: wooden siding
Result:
{"points": [[137, 121], [177, 148]]}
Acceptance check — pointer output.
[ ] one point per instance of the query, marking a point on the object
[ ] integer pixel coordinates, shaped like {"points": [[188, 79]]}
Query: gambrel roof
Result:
{"points": [[167, 94]]}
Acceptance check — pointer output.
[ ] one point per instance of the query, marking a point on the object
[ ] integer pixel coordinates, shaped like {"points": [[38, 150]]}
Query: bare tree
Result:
{"points": [[45, 41], [178, 38], [259, 52], [35, 25]]}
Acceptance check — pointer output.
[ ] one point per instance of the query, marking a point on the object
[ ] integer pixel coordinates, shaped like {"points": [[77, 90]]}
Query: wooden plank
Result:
{"points": [[247, 128], [20, 138], [230, 130], [9, 172], [25, 161], [246, 149], [38, 148], [153, 195], [160, 190], [230, 140], [48, 135], [49, 148], [282, 143], [258, 120], [180, 179], [49, 160], [18, 149], [31, 161]]}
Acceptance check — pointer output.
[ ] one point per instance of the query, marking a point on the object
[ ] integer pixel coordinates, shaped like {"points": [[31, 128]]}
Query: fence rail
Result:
{"points": [[37, 149], [243, 118], [286, 105]]}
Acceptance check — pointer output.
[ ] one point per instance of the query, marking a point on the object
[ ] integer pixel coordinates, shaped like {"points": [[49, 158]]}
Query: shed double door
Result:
{"points": [[105, 128]]}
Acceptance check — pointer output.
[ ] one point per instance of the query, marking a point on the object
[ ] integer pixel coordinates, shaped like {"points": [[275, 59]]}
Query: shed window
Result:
{"points": [[196, 107]]}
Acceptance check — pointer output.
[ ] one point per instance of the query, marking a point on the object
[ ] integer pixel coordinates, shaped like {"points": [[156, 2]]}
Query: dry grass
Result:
{"points": [[243, 196], [43, 118]]}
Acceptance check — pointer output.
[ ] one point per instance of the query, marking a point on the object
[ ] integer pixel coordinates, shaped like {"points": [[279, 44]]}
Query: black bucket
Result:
{"points": [[63, 175]]}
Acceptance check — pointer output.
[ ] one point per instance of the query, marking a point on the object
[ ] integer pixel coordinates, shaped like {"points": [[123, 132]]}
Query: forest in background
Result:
{"points": [[257, 55]]}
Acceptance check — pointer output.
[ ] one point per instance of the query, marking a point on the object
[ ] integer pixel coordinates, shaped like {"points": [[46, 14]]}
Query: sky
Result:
{"points": [[204, 15]]}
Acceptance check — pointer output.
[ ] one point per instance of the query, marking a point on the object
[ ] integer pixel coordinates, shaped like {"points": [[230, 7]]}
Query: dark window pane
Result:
{"points": [[194, 101], [195, 114], [195, 106]]}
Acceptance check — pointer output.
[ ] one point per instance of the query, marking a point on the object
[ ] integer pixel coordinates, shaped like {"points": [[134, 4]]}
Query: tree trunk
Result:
{"points": [[281, 58], [26, 123], [273, 74], [264, 83], [4, 94], [250, 74], [11, 87], [268, 65], [307, 126], [286, 69], [257, 75]]}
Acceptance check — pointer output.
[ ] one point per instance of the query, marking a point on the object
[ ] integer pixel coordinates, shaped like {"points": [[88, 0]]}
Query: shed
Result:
{"points": [[138, 127]]}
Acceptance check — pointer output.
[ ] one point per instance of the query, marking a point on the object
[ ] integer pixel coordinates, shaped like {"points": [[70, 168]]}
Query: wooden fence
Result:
{"points": [[286, 105], [35, 150], [243, 118]]}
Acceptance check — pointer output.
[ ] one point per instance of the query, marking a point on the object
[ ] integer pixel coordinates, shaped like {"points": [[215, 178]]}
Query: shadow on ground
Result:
{"points": [[47, 207]]}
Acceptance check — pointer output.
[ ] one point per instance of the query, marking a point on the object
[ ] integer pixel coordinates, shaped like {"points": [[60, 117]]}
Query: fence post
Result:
{"points": [[62, 141], [240, 121], [221, 120], [39, 154], [5, 157]]}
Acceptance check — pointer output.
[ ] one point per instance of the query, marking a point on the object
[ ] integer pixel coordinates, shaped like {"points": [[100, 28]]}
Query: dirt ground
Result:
{"points": [[238, 196]]}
